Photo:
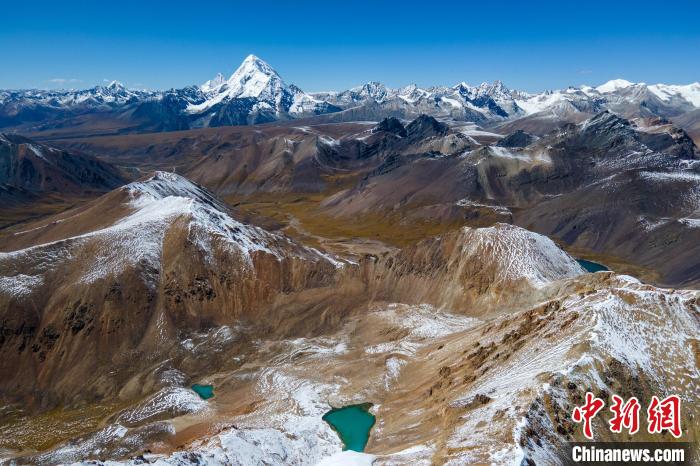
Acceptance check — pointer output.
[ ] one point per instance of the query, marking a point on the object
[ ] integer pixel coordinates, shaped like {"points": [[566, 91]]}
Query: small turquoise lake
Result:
{"points": [[204, 391], [352, 423], [591, 266]]}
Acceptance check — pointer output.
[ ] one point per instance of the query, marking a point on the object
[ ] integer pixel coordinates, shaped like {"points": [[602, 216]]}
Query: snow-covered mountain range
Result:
{"points": [[256, 93], [21, 102]]}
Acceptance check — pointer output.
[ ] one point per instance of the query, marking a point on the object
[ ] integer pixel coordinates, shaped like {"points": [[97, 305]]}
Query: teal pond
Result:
{"points": [[204, 391], [591, 266], [352, 423]]}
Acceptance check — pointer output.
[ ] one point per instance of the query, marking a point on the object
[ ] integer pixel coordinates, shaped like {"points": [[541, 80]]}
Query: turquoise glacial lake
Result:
{"points": [[352, 423], [591, 266], [204, 391]]}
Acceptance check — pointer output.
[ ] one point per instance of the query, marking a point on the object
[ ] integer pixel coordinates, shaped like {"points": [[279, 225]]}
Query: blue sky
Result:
{"points": [[335, 45]]}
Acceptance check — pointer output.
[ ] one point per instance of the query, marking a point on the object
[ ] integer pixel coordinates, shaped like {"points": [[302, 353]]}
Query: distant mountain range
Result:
{"points": [[256, 93]]}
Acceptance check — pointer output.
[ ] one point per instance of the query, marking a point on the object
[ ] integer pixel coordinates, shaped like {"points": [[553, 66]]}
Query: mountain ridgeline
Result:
{"points": [[29, 170], [255, 93]]}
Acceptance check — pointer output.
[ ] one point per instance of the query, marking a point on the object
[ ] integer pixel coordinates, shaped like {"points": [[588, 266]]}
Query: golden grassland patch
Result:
{"points": [[19, 431]]}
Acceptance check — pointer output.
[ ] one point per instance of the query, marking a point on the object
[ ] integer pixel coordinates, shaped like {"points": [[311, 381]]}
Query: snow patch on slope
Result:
{"points": [[422, 324], [348, 458], [689, 92], [298, 436], [519, 254], [647, 329], [540, 102], [172, 400], [690, 177], [137, 239], [20, 285], [525, 156]]}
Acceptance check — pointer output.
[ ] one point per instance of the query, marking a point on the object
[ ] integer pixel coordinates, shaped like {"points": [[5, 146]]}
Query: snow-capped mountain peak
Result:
{"points": [[614, 85], [373, 90], [254, 63], [253, 78], [496, 90], [258, 90], [497, 87], [213, 83], [166, 184], [115, 85], [114, 89]]}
